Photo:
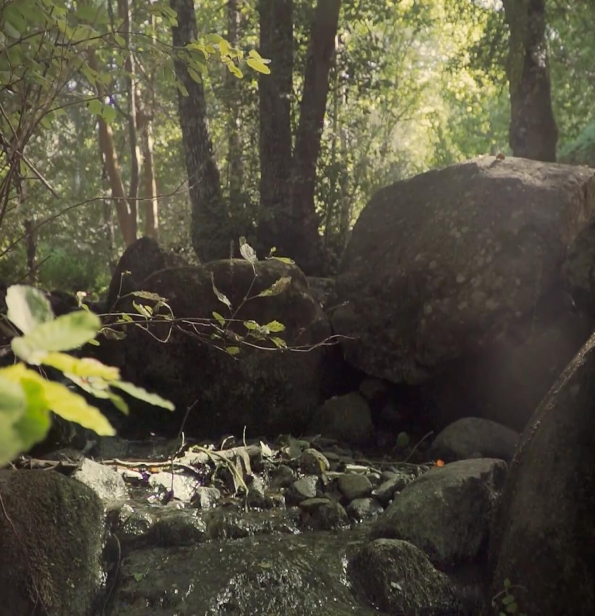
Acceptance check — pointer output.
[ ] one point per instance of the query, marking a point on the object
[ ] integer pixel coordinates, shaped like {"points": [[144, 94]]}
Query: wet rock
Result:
{"points": [[302, 489], [375, 391], [282, 477], [257, 493], [543, 539], [51, 540], [110, 447], [354, 486], [388, 488], [361, 509], [312, 462], [107, 483], [206, 497], [473, 437], [397, 578], [136, 528], [224, 524], [323, 514], [179, 528], [293, 575], [183, 486], [447, 511], [345, 418]]}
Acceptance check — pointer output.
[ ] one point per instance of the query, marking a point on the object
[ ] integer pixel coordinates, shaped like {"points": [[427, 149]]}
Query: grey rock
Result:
{"points": [[447, 511], [282, 477], [179, 528], [345, 418], [312, 462], [397, 578], [206, 497], [302, 489], [257, 493], [103, 480], [324, 515], [136, 528], [184, 486], [354, 486], [473, 437], [387, 489], [361, 509]]}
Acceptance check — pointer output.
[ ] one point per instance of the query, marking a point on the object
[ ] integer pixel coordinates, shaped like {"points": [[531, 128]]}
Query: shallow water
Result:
{"points": [[268, 575]]}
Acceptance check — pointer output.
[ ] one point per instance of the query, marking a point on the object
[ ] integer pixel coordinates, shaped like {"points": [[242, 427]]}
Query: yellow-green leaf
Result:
{"points": [[258, 66], [27, 307], [142, 394], [85, 367]]}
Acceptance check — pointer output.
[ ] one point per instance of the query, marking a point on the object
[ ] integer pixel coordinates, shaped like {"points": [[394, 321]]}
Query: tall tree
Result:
{"points": [[210, 226], [288, 217], [533, 130], [307, 248], [275, 92]]}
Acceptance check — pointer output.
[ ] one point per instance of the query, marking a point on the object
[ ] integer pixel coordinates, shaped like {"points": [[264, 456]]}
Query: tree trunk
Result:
{"points": [[126, 214], [234, 142], [276, 42], [210, 225], [533, 131], [307, 251]]}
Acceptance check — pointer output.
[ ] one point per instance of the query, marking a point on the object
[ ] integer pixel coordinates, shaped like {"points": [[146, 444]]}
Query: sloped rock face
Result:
{"points": [[544, 537], [459, 263], [51, 540], [268, 391]]}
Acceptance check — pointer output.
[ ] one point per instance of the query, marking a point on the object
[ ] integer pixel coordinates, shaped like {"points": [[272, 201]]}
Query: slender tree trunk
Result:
{"points": [[210, 225], [533, 130], [234, 143], [126, 214], [276, 42], [307, 251], [145, 115]]}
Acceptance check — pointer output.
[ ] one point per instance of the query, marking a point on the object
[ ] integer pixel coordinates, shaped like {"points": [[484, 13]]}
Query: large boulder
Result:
{"points": [[267, 391], [544, 537], [51, 539], [447, 512], [464, 264]]}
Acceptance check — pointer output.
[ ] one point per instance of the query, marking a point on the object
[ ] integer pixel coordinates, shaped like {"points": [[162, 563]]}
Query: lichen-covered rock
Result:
{"points": [[544, 537], [442, 266], [473, 437], [263, 391], [447, 512], [51, 540], [397, 578]]}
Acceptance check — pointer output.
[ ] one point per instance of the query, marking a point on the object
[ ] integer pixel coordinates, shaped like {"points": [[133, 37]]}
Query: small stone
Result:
{"points": [[354, 486], [386, 490], [206, 498], [179, 528], [282, 477], [328, 515], [362, 509], [105, 481], [312, 462], [302, 489]]}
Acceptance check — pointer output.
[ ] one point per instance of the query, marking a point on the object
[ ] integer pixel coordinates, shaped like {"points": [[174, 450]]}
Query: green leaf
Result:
{"points": [[148, 295], [275, 327], [62, 401], [27, 307], [145, 311], [232, 350], [108, 113], [247, 252], [279, 342], [220, 296], [512, 608], [278, 287], [35, 423], [251, 325], [258, 66], [85, 367], [62, 334], [285, 260], [219, 318], [142, 394], [194, 75]]}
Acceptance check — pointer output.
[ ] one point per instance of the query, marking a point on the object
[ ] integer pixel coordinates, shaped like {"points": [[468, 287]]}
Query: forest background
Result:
{"points": [[274, 120]]}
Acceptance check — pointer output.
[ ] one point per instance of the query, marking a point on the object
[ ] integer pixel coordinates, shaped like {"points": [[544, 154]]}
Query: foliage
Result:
{"points": [[27, 397], [505, 600]]}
